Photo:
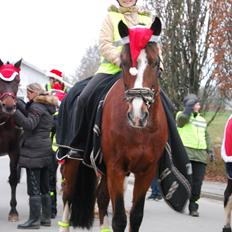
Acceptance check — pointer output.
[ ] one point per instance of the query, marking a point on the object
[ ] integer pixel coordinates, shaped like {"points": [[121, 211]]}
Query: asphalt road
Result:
{"points": [[158, 217]]}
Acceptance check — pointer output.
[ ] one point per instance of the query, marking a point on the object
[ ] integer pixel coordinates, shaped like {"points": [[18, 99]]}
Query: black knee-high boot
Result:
{"points": [[46, 210], [34, 217]]}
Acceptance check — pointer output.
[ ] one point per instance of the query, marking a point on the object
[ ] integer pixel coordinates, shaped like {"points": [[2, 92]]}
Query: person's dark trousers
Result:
{"points": [[198, 173], [52, 184], [37, 185]]}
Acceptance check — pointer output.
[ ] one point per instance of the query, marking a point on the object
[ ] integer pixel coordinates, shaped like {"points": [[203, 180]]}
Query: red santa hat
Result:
{"points": [[56, 74], [8, 72], [139, 37]]}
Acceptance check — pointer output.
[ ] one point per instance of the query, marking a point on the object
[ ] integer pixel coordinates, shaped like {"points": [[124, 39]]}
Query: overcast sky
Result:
{"points": [[50, 33]]}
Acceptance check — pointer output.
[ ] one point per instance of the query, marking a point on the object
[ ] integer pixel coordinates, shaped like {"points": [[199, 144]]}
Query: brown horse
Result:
{"points": [[134, 133], [133, 136], [9, 132]]}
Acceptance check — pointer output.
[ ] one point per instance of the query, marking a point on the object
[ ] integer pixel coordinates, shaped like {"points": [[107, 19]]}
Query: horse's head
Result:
{"points": [[9, 82], [140, 63]]}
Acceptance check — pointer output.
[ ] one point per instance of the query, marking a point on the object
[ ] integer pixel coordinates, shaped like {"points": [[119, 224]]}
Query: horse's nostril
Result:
{"points": [[144, 116], [130, 116]]}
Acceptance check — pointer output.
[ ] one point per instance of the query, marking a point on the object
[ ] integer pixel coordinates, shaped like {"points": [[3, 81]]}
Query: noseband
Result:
{"points": [[148, 95], [7, 94]]}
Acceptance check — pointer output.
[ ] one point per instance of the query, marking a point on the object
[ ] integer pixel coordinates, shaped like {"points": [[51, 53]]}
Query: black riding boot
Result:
{"points": [[193, 207], [46, 210], [34, 218]]}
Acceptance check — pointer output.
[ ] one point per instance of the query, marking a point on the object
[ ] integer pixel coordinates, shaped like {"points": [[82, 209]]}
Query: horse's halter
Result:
{"points": [[9, 77]]}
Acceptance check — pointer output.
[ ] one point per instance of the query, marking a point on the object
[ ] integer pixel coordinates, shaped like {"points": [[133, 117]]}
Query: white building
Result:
{"points": [[29, 74]]}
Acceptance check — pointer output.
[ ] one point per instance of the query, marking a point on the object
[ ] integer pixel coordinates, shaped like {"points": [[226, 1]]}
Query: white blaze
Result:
{"points": [[142, 64]]}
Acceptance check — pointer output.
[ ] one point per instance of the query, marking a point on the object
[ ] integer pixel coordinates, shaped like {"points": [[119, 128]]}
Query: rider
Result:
{"points": [[109, 70]]}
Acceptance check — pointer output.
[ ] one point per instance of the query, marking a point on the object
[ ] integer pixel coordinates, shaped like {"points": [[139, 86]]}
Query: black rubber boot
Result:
{"points": [[34, 218], [46, 210]]}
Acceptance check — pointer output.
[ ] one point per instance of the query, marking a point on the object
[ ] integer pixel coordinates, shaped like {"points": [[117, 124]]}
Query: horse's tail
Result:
{"points": [[83, 202]]}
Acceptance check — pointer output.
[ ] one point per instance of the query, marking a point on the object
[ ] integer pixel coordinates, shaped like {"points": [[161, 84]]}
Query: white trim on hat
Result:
{"points": [[11, 78], [53, 75]]}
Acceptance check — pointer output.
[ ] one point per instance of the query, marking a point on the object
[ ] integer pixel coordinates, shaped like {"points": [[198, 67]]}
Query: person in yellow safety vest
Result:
{"points": [[110, 46], [192, 128]]}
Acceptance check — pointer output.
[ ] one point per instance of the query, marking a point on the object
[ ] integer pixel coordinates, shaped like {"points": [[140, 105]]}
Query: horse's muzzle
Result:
{"points": [[8, 109], [138, 122]]}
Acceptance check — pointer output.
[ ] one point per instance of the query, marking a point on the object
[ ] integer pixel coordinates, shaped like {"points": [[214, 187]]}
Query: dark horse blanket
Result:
{"points": [[174, 167]]}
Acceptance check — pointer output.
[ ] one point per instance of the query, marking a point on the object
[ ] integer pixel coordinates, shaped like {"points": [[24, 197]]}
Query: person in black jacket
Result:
{"points": [[36, 119]]}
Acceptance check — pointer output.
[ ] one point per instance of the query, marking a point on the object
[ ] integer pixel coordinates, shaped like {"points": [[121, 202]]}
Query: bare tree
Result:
{"points": [[189, 58], [89, 63]]}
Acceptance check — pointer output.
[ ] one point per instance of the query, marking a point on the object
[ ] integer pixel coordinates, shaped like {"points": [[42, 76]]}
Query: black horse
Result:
{"points": [[9, 132]]}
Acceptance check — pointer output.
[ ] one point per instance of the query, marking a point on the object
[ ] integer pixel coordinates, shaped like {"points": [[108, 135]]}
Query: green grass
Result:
{"points": [[215, 171]]}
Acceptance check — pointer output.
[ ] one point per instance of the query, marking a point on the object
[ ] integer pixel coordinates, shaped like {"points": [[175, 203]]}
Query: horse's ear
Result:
{"points": [[156, 26], [123, 29], [1, 63], [18, 63]]}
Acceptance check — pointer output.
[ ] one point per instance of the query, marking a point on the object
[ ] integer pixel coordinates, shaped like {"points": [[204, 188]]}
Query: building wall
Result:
{"points": [[30, 74]]}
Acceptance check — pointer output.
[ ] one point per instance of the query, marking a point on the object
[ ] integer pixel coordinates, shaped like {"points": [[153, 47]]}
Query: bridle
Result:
{"points": [[147, 94], [6, 94]]}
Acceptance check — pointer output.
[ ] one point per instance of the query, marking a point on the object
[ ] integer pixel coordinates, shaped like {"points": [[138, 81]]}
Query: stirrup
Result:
{"points": [[63, 224]]}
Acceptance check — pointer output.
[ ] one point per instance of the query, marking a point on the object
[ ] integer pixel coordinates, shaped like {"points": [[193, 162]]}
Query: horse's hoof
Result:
{"points": [[13, 217], [226, 229], [61, 229]]}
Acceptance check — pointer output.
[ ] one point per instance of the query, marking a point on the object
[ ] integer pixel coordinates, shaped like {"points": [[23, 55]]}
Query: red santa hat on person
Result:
{"points": [[56, 74]]}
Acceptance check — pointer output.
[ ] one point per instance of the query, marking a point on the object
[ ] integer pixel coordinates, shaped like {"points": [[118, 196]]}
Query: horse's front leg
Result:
{"points": [[141, 185], [115, 183], [103, 200], [70, 169], [64, 224], [13, 181]]}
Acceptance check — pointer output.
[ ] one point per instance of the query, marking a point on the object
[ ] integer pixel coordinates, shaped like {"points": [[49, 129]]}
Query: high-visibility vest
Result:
{"points": [[106, 66], [193, 133]]}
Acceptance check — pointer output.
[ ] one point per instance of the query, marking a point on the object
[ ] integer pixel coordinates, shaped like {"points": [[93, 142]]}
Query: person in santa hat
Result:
{"points": [[57, 89], [55, 81]]}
